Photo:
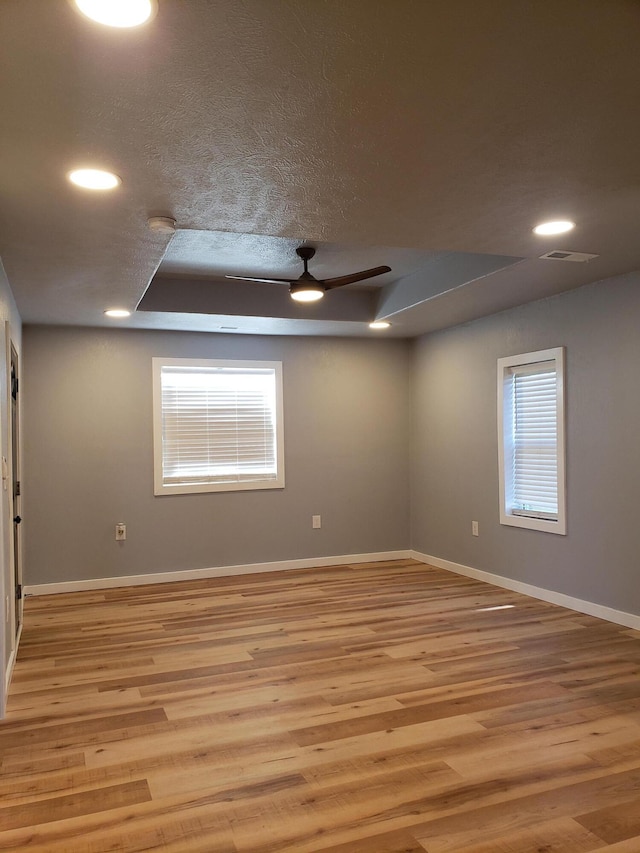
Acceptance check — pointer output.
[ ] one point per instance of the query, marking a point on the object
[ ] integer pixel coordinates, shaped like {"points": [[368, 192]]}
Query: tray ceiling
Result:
{"points": [[431, 137]]}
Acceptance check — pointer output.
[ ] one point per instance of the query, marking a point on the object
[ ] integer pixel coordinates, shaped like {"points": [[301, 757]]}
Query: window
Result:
{"points": [[531, 440], [217, 425]]}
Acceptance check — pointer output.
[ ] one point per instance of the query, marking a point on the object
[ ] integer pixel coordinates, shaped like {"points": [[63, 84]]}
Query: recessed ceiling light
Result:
{"points": [[379, 324], [94, 179], [559, 226], [117, 312], [117, 13]]}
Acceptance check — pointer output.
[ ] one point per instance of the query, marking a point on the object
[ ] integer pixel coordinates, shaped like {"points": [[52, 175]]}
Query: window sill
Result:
{"points": [[543, 524]]}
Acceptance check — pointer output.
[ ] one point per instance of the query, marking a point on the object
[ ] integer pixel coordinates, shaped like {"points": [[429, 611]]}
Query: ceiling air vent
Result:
{"points": [[557, 255]]}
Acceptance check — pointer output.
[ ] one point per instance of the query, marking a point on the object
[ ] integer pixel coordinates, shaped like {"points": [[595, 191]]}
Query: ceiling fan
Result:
{"points": [[307, 288]]}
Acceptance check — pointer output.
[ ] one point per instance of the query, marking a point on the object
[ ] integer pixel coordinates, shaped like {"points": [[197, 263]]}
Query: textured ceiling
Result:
{"points": [[424, 136]]}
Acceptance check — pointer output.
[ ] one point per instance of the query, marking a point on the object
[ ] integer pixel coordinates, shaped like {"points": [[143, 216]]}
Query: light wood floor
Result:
{"points": [[384, 708]]}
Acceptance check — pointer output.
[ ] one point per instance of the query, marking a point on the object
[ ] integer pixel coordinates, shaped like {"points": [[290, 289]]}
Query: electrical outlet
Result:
{"points": [[316, 522], [121, 531], [474, 528]]}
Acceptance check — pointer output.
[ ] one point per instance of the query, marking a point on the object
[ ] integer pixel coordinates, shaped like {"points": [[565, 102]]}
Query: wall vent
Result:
{"points": [[558, 255]]}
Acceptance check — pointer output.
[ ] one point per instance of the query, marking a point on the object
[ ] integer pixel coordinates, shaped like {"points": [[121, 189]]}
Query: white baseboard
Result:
{"points": [[620, 617], [217, 572]]}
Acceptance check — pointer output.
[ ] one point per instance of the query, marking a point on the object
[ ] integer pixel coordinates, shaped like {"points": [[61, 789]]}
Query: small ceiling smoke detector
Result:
{"points": [[559, 226], [162, 224], [560, 255]]}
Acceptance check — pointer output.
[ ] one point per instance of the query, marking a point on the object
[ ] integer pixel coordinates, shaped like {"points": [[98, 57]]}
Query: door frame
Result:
{"points": [[10, 555], [15, 486]]}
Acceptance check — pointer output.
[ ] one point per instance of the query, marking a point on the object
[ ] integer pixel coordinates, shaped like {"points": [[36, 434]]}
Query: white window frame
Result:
{"points": [[162, 488], [505, 450]]}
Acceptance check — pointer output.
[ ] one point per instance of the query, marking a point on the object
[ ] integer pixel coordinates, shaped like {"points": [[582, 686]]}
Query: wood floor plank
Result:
{"points": [[373, 708], [72, 805], [40, 767], [400, 841], [77, 733], [552, 836], [528, 809], [418, 714], [614, 823], [631, 845]]}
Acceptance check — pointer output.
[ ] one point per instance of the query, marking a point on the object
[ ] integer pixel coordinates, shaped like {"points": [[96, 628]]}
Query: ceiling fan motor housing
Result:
{"points": [[305, 252]]}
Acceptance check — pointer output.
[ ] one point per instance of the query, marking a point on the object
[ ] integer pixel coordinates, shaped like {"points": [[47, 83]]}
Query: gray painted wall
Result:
{"points": [[349, 408], [455, 452], [89, 459]]}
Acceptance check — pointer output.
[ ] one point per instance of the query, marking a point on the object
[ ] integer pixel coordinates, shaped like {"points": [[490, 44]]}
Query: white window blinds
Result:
{"points": [[218, 427], [535, 440], [531, 455]]}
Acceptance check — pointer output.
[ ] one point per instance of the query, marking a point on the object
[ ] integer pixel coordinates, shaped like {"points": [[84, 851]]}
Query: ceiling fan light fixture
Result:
{"points": [[117, 13], [306, 292], [558, 226]]}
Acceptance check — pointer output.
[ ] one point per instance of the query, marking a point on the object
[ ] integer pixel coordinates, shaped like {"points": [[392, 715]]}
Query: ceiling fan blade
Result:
{"points": [[262, 280], [330, 283]]}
